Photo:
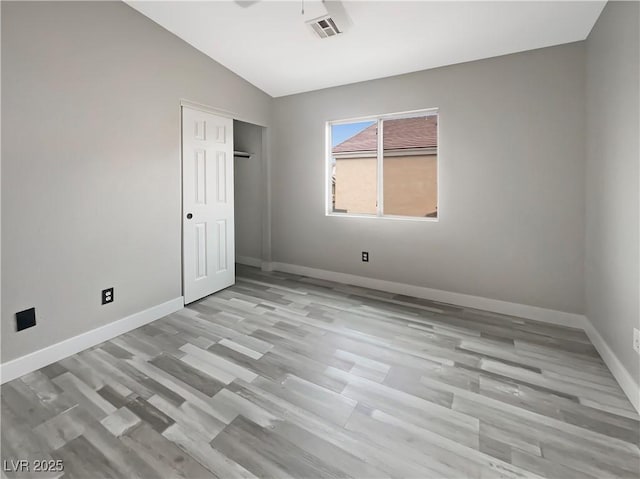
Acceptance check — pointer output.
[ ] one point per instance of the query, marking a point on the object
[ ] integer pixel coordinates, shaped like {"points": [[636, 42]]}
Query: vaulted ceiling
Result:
{"points": [[269, 44]]}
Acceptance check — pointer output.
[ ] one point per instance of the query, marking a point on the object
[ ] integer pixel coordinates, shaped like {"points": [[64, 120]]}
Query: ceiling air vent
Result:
{"points": [[324, 26]]}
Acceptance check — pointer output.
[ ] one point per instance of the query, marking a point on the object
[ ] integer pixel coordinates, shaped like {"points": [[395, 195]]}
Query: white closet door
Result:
{"points": [[208, 211]]}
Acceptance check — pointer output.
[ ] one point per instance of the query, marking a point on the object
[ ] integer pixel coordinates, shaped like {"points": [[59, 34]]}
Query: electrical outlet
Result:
{"points": [[636, 340], [365, 256], [107, 296], [26, 319]]}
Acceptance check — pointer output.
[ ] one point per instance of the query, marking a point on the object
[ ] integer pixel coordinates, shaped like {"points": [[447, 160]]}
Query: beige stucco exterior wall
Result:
{"points": [[356, 180], [410, 185]]}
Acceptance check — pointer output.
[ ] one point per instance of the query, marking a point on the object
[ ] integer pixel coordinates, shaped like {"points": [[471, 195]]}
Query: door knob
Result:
{"points": [[189, 216]]}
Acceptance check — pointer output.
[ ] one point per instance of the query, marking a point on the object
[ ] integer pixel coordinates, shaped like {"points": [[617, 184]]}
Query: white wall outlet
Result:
{"points": [[636, 340]]}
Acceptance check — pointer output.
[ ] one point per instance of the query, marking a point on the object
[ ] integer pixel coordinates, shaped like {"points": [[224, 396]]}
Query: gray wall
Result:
{"points": [[512, 149], [91, 162], [249, 188], [613, 172]]}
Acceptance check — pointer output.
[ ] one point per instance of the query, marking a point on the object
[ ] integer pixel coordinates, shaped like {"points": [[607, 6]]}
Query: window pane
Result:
{"points": [[410, 166], [354, 167]]}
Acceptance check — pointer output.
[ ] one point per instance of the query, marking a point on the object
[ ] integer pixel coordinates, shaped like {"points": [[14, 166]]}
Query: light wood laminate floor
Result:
{"points": [[285, 376]]}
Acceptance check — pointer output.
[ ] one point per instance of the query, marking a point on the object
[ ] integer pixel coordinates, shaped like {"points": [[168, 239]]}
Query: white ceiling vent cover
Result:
{"points": [[324, 26]]}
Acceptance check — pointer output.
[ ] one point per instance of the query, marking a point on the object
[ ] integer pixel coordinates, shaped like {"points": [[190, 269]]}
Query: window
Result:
{"points": [[384, 166]]}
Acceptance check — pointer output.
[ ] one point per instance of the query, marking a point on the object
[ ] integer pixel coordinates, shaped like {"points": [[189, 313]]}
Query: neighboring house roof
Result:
{"points": [[403, 133]]}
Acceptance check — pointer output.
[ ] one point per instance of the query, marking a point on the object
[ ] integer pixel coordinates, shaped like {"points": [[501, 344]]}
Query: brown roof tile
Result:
{"points": [[419, 132]]}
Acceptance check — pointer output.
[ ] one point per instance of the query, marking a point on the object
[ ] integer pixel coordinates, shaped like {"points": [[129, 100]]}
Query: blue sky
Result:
{"points": [[339, 133]]}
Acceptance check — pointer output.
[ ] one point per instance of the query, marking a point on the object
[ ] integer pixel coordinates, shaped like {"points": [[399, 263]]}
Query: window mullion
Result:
{"points": [[380, 196]]}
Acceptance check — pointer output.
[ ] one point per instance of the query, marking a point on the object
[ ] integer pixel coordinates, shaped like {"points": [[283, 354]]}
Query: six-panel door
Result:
{"points": [[208, 210]]}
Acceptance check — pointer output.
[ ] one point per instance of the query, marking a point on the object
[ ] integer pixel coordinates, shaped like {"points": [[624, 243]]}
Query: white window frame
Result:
{"points": [[379, 158]]}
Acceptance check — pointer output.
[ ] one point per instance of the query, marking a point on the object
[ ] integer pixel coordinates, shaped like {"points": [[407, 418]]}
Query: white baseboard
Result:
{"points": [[630, 386], [249, 261], [502, 307], [43, 357]]}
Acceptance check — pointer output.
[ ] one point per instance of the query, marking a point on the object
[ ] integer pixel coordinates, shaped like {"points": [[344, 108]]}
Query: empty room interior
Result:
{"points": [[312, 239]]}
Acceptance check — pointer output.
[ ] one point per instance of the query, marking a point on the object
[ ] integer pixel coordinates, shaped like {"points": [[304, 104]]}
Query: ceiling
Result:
{"points": [[268, 43]]}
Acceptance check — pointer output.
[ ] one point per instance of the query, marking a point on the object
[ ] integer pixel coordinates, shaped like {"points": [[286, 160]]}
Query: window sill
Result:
{"points": [[384, 217]]}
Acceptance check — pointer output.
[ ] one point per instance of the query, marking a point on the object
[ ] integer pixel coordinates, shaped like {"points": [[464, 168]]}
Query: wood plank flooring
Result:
{"points": [[285, 376]]}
